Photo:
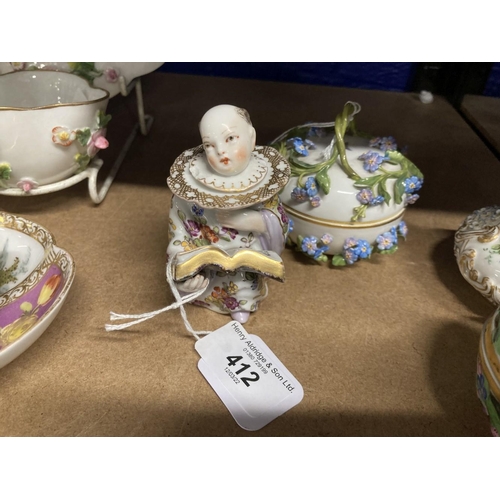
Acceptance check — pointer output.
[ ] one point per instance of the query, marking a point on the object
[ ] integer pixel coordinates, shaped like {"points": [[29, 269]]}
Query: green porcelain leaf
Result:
{"points": [[368, 181], [338, 260], [83, 136], [399, 190], [390, 250], [382, 191], [103, 120]]}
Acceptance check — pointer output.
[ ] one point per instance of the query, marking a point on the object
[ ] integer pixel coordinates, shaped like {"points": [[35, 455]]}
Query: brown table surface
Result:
{"points": [[386, 347], [484, 113]]}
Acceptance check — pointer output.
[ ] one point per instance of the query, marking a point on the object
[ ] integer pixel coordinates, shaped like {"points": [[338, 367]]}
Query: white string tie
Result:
{"points": [[178, 304]]}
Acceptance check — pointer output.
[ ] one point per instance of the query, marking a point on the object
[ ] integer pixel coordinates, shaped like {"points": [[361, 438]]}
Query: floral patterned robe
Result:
{"points": [[191, 226]]}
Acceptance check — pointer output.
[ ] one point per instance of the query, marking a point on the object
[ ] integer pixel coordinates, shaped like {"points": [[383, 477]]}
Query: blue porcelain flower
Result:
{"points": [[365, 196], [315, 201], [309, 245], [320, 251], [403, 228], [197, 210], [410, 200], [350, 255], [311, 187], [388, 144], [299, 195], [363, 249], [290, 225], [394, 233], [298, 145], [377, 201], [385, 241], [371, 161], [412, 184], [375, 142]]}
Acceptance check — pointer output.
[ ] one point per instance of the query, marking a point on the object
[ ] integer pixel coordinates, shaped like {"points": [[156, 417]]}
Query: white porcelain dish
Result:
{"points": [[31, 302]]}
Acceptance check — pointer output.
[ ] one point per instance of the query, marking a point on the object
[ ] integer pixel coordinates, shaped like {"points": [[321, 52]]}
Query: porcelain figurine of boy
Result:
{"points": [[227, 226]]}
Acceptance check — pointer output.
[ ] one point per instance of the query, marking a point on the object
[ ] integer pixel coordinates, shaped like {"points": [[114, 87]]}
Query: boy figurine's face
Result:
{"points": [[228, 138]]}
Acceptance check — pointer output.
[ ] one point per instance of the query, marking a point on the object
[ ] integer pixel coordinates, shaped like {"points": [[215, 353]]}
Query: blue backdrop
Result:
{"points": [[378, 76]]}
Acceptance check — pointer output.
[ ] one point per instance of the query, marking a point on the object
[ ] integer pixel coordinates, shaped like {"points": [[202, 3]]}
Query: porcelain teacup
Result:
{"points": [[53, 124]]}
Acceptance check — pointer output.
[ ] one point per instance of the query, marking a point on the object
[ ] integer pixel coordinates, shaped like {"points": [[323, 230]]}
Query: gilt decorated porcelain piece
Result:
{"points": [[227, 226], [35, 277], [477, 250], [348, 191], [488, 371], [110, 76], [268, 173], [53, 124]]}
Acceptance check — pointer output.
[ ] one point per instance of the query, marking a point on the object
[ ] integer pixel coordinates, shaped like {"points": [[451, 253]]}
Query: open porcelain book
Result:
{"points": [[264, 262]]}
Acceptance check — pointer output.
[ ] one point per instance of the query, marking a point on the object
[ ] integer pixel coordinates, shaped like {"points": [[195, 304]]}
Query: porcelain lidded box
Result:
{"points": [[52, 125], [477, 250], [348, 191], [488, 371], [227, 226], [35, 277]]}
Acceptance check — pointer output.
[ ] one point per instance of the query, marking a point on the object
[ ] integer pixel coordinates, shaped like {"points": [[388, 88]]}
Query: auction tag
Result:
{"points": [[248, 377]]}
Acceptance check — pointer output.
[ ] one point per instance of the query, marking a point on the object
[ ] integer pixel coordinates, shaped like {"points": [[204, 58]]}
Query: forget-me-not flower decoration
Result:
{"points": [[350, 243], [363, 249], [410, 200], [320, 251], [315, 201], [378, 200], [365, 196], [350, 255], [403, 229], [412, 184], [309, 245], [371, 161], [299, 194], [385, 241], [388, 144], [311, 187], [326, 239], [299, 145]]}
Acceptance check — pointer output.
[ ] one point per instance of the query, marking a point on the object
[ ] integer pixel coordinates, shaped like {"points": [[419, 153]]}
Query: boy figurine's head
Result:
{"points": [[228, 138]]}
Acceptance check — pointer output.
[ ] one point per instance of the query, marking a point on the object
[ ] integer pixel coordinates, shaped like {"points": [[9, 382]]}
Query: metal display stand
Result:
{"points": [[97, 195]]}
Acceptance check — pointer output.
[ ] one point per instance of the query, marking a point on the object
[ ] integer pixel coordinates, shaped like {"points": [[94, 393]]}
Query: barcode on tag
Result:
{"points": [[248, 377]]}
